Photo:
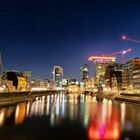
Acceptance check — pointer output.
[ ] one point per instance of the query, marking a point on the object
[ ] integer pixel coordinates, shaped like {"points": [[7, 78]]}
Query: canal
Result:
{"points": [[70, 117]]}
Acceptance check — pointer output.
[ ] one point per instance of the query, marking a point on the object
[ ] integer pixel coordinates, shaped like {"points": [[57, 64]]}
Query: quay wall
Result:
{"points": [[10, 98]]}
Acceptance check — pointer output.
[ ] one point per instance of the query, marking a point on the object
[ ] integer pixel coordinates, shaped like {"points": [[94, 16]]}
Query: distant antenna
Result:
{"points": [[1, 65]]}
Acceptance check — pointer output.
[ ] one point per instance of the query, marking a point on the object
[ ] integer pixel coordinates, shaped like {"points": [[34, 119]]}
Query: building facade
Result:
{"points": [[15, 81], [84, 74], [113, 76], [89, 84], [28, 75], [58, 75], [136, 80], [130, 66], [100, 70], [125, 82]]}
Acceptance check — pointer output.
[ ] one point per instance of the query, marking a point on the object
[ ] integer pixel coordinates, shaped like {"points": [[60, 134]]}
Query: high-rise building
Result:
{"points": [[124, 79], [113, 76], [84, 74], [57, 75], [89, 84], [100, 69], [130, 66], [100, 64], [136, 80]]}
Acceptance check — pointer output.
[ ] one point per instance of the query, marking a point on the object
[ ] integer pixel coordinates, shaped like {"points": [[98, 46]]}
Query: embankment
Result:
{"points": [[16, 97], [123, 97]]}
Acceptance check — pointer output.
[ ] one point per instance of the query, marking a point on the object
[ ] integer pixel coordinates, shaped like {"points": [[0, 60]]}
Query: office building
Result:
{"points": [[113, 76], [58, 75], [84, 74], [136, 80], [130, 66]]}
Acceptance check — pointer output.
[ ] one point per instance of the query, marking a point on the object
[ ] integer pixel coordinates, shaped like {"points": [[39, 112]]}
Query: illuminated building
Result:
{"points": [[124, 79], [84, 74], [58, 75], [27, 74], [51, 85], [39, 83], [89, 84], [100, 64], [73, 89], [15, 81], [65, 81], [100, 69], [136, 80], [73, 82], [113, 76], [130, 66]]}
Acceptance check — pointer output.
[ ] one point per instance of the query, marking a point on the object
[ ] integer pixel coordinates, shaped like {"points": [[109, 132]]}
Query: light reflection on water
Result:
{"points": [[102, 120]]}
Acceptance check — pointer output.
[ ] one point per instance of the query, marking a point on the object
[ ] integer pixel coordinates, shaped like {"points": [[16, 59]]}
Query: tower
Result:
{"points": [[58, 75], [84, 74]]}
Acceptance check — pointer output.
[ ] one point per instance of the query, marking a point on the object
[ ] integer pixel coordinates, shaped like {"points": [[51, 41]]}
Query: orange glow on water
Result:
{"points": [[20, 113], [104, 130]]}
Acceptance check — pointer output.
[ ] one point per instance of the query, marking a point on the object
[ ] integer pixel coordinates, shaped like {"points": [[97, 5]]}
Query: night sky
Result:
{"points": [[37, 35]]}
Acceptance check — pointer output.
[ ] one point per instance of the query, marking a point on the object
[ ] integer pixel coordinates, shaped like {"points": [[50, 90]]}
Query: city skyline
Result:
{"points": [[37, 35]]}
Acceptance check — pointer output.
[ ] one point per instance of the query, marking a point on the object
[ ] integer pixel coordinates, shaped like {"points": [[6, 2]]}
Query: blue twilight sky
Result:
{"points": [[38, 34]]}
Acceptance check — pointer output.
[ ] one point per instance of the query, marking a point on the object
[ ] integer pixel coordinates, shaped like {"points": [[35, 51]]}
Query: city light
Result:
{"points": [[38, 89], [2, 88], [102, 58], [60, 88]]}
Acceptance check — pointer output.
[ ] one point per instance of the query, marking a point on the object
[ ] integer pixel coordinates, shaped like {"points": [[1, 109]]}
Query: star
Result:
{"points": [[37, 27], [132, 5], [55, 3]]}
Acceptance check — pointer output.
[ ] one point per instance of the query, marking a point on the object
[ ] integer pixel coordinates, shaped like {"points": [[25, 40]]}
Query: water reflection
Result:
{"points": [[102, 120], [20, 113], [2, 116]]}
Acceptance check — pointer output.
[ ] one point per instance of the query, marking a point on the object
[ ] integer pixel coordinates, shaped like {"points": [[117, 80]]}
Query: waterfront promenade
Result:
{"points": [[123, 97], [17, 97]]}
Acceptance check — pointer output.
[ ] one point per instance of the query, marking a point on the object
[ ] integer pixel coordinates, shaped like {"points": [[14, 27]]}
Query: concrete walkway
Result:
{"points": [[123, 97], [17, 97]]}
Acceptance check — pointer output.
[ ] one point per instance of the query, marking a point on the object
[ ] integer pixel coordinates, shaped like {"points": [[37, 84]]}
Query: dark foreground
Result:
{"points": [[69, 117]]}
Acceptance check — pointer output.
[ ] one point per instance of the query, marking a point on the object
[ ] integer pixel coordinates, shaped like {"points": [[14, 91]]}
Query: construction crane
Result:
{"points": [[123, 52], [129, 39]]}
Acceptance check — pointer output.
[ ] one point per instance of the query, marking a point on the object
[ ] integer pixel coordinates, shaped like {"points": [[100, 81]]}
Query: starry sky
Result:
{"points": [[38, 34]]}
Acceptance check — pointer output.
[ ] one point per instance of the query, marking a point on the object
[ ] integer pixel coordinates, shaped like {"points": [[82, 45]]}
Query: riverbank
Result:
{"points": [[17, 97], [123, 97]]}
